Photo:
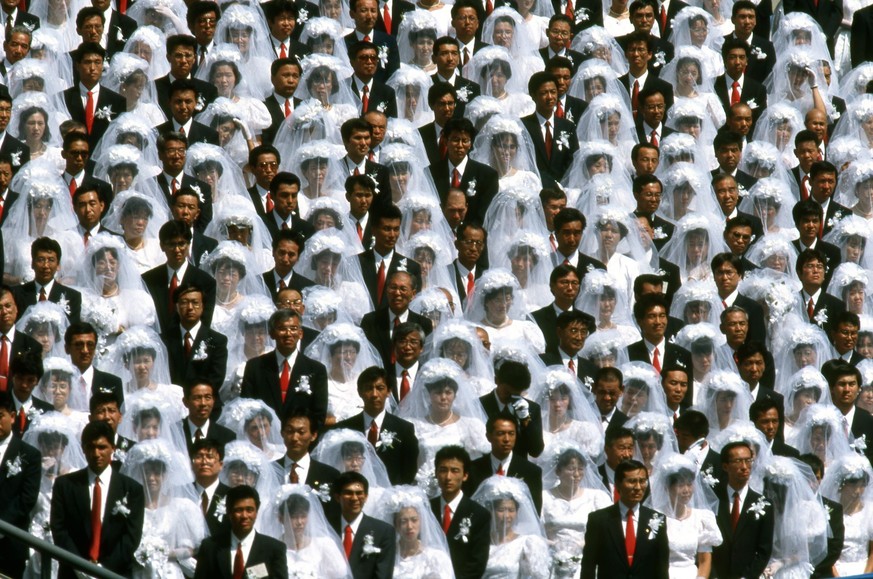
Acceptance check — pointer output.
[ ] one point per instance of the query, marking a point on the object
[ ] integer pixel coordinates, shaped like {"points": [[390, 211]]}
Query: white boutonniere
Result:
{"points": [[303, 385], [382, 106], [104, 113], [121, 507], [372, 177], [588, 381], [33, 413], [471, 188], [569, 116], [759, 507], [659, 233], [464, 94], [660, 272], [835, 115], [220, 509], [119, 455], [16, 159], [708, 477], [590, 268], [201, 103], [821, 318], [14, 467], [860, 444], [30, 26], [464, 531], [752, 104], [302, 16], [200, 354], [322, 491], [655, 524], [64, 303], [383, 56], [758, 53], [563, 140], [386, 440], [828, 511], [402, 265], [119, 35], [742, 190], [196, 189], [369, 547], [660, 58], [582, 15]]}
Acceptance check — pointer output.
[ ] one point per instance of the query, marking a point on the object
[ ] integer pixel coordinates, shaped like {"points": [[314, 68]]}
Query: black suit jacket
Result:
{"points": [[401, 459], [583, 263], [398, 9], [206, 93], [71, 520], [24, 344], [157, 281], [833, 254], [298, 224], [652, 82], [9, 201], [40, 406], [367, 260], [25, 296], [675, 7], [574, 56], [106, 382], [673, 354], [530, 435], [214, 558], [18, 494], [587, 13], [376, 328], [298, 282], [605, 553], [745, 551], [467, 90], [187, 370], [196, 184], [470, 557], [277, 117], [825, 302], [479, 195], [552, 169], [573, 109], [752, 91], [215, 522], [261, 381], [201, 245], [318, 475], [381, 39], [862, 425], [216, 432], [199, 133], [862, 35], [382, 98], [547, 319], [19, 152], [519, 467], [461, 283], [834, 213], [781, 448], [763, 57], [106, 98], [585, 370], [645, 136], [431, 143], [757, 330], [378, 565]]}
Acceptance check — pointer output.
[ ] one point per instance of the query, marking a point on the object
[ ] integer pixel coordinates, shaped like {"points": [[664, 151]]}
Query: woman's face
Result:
{"points": [[697, 247], [605, 360], [698, 31], [35, 127], [209, 173], [855, 245], [132, 89], [634, 400], [142, 50], [226, 132], [227, 278], [106, 267], [606, 303], [852, 492], [398, 180], [148, 429], [689, 75], [239, 475], [412, 93], [153, 477], [142, 369], [59, 385], [324, 220], [258, 431], [33, 84], [241, 37], [692, 128], [321, 85], [505, 148], [323, 45], [134, 224], [767, 213], [503, 33], [498, 79], [298, 521], [724, 404], [407, 523], [593, 87], [344, 357], [558, 405], [457, 351], [864, 345], [571, 473], [424, 258], [45, 335], [353, 461], [803, 399], [332, 9], [855, 298], [326, 268], [613, 124], [420, 221], [522, 263], [783, 134], [121, 179], [681, 492], [867, 127], [648, 449], [505, 514], [315, 173], [255, 337], [697, 311], [777, 262], [610, 236], [423, 50], [239, 232], [818, 441], [864, 193], [525, 7], [442, 399], [40, 213], [804, 355], [702, 363], [601, 166], [497, 306], [865, 398]]}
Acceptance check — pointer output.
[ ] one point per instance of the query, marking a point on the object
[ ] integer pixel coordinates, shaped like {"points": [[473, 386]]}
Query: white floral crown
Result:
{"points": [[122, 155], [781, 112], [683, 173], [246, 453], [243, 409], [693, 222], [852, 467], [596, 281], [29, 68], [58, 364], [151, 450], [677, 143], [722, 381], [437, 369], [417, 202], [341, 332], [202, 152], [808, 377], [320, 150], [322, 26], [431, 300], [151, 35], [136, 338], [508, 352], [232, 250], [495, 279], [428, 239], [124, 64], [397, 153], [30, 99], [408, 75], [239, 15], [761, 153], [325, 241], [418, 20], [47, 312], [501, 124], [652, 422], [256, 311], [849, 273], [770, 188], [321, 301]]}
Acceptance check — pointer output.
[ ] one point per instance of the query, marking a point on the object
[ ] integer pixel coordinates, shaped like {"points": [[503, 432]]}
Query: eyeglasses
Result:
{"points": [[472, 243], [268, 165], [743, 461], [287, 303]]}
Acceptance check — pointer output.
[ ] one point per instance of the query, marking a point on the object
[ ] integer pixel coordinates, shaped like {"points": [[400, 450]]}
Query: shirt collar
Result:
{"points": [[245, 543], [303, 463], [454, 504], [461, 167], [180, 273], [193, 330], [353, 524], [380, 419]]}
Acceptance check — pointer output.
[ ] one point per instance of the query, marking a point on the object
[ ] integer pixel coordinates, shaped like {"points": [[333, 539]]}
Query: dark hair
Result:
{"points": [[809, 255], [742, 5], [274, 8], [514, 374], [207, 444], [199, 8], [241, 493], [813, 462], [87, 48], [359, 46], [644, 180], [613, 434], [500, 416], [369, 375], [102, 397], [806, 136], [627, 466], [833, 370], [538, 79], [731, 43], [277, 66], [647, 302], [725, 138], [568, 215], [557, 62], [298, 411], [284, 178], [76, 329], [762, 405], [348, 478], [471, 224], [822, 168], [561, 271], [725, 453], [255, 153], [576, 316], [720, 259], [172, 229], [28, 364], [184, 40], [453, 452], [405, 329], [807, 208], [45, 244], [185, 85], [440, 89], [608, 374], [692, 422], [289, 235], [27, 113], [640, 146], [6, 402], [96, 430], [168, 136], [355, 125], [189, 288]]}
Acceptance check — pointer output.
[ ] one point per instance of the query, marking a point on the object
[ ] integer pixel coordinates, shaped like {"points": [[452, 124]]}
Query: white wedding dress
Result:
{"points": [[320, 559], [429, 564], [525, 557], [566, 522], [694, 534]]}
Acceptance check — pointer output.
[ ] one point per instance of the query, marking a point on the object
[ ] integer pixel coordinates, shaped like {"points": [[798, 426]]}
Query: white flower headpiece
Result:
{"points": [[681, 173], [123, 155], [532, 240], [136, 338], [325, 241], [762, 153], [808, 377], [557, 377], [862, 170], [406, 499], [314, 61], [605, 104], [243, 409], [239, 15], [852, 467], [320, 150], [771, 189], [693, 222], [640, 372], [773, 245], [495, 279], [701, 331], [322, 26], [802, 335], [595, 282], [652, 422], [29, 68], [58, 364], [399, 131], [597, 147], [504, 487], [287, 489], [246, 453], [397, 153], [202, 152], [824, 415], [124, 64], [698, 291], [154, 450], [102, 241], [559, 447], [412, 202], [501, 124], [130, 123], [688, 108], [47, 313], [722, 381], [30, 99], [794, 21], [483, 106], [232, 250], [53, 422], [849, 273], [341, 332], [846, 148], [595, 68], [508, 352], [255, 311], [675, 144], [321, 301], [779, 472], [437, 369], [430, 300], [308, 112], [408, 75], [429, 239], [603, 344], [418, 20], [781, 112], [851, 225], [150, 35], [674, 463]]}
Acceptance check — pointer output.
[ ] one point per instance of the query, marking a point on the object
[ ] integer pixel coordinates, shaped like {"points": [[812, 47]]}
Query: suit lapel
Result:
{"points": [[617, 533]]}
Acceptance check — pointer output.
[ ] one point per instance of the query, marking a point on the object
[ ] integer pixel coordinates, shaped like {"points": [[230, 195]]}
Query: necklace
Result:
{"points": [[444, 422], [619, 15], [559, 428], [230, 301], [561, 494]]}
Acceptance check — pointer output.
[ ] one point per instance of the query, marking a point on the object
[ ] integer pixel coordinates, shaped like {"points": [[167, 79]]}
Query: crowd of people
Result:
{"points": [[364, 288]]}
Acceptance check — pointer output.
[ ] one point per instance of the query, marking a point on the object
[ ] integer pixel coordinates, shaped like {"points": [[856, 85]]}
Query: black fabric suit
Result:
{"points": [[760, 66], [431, 143], [298, 282], [378, 565], [18, 495], [380, 39], [573, 109], [277, 117], [469, 558], [587, 13], [106, 382], [552, 169], [834, 213], [605, 553], [198, 133], [575, 57], [318, 475], [400, 460], [376, 327], [367, 260], [833, 254], [157, 281], [40, 406], [214, 558], [486, 181], [519, 467], [71, 520], [261, 381], [757, 331], [201, 245], [862, 35], [187, 370], [583, 264], [585, 370], [215, 525], [298, 224], [205, 92], [24, 344], [25, 296], [398, 9], [652, 82], [467, 90], [382, 98], [781, 448], [105, 98], [461, 283], [752, 91], [547, 320], [20, 154], [530, 437], [675, 7], [645, 136], [196, 184], [746, 551], [672, 355], [825, 302], [216, 432], [862, 425]]}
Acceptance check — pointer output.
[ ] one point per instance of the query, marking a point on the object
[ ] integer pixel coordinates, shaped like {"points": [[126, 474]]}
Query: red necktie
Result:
{"points": [[282, 284], [270, 203], [447, 519], [188, 344], [735, 513], [284, 226], [810, 310], [356, 172], [635, 97], [366, 38], [4, 363], [500, 471], [96, 521], [373, 432], [735, 93], [380, 283], [489, 7], [89, 112], [656, 361], [663, 21], [552, 242], [804, 188], [559, 110], [548, 140], [182, 130], [630, 537], [122, 6], [284, 379], [174, 283], [456, 178], [198, 435], [470, 285], [365, 99], [22, 420], [86, 237], [371, 156], [174, 185], [360, 231], [347, 541], [404, 384], [466, 56], [615, 495], [568, 12], [654, 138], [204, 503], [283, 52], [239, 566], [72, 186], [386, 18], [571, 366], [294, 478], [287, 108], [42, 296], [443, 145]]}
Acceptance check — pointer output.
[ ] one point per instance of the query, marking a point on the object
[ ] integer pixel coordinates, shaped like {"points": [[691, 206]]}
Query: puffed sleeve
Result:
{"points": [[708, 533], [536, 562]]}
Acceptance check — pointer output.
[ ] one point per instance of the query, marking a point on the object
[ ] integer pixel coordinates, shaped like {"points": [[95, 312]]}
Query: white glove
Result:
{"points": [[522, 409]]}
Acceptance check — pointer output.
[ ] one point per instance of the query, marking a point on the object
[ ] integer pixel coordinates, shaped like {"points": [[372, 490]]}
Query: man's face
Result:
{"points": [[817, 122], [265, 169], [5, 169], [176, 250], [653, 324], [502, 438], [809, 226], [365, 14], [728, 157], [643, 20], [108, 413], [186, 208], [558, 34], [76, 155], [385, 235], [23, 385], [90, 69], [91, 29], [812, 273], [89, 207], [646, 163], [823, 186], [844, 337], [620, 449], [459, 144], [285, 256], [649, 197], [807, 154], [551, 208], [183, 103], [81, 350], [243, 514], [606, 395], [206, 464], [358, 145], [290, 299], [285, 80], [173, 157], [653, 109], [744, 22], [568, 237], [378, 126], [736, 62], [726, 279], [190, 308], [675, 384], [7, 419], [181, 61], [374, 395], [98, 454], [845, 391], [470, 246], [204, 28], [563, 76], [360, 199], [572, 337], [740, 120], [45, 265], [450, 476], [16, 47], [738, 466], [727, 194], [752, 369], [566, 289], [465, 23], [285, 199], [298, 437], [632, 487], [455, 209], [8, 312], [282, 24], [408, 350], [199, 403], [545, 98], [352, 498], [447, 58], [735, 328], [365, 64], [286, 335], [738, 239], [400, 292], [444, 109], [768, 423]]}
